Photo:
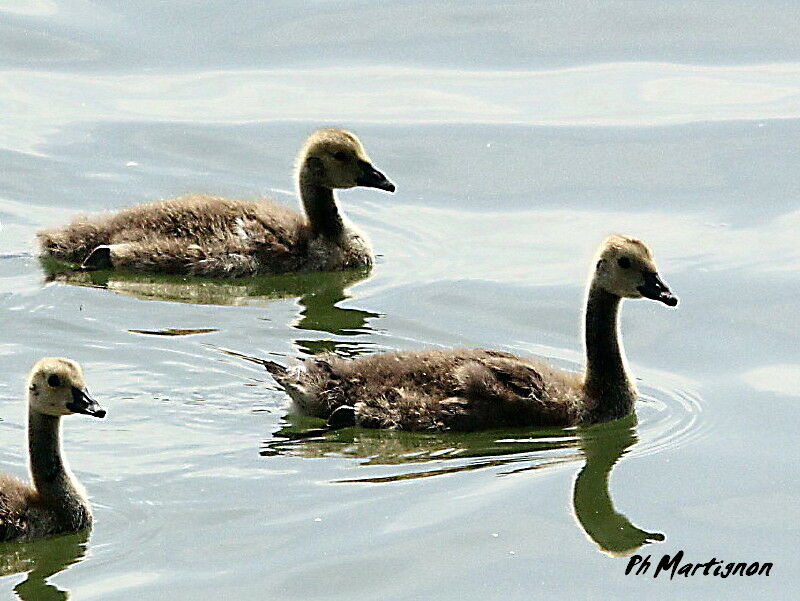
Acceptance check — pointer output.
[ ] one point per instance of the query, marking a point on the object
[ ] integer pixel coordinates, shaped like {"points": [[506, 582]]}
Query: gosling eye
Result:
{"points": [[53, 380], [340, 156], [624, 262]]}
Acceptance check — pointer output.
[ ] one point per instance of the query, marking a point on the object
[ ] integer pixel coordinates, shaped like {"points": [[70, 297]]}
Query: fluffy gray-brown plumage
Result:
{"points": [[55, 503], [213, 236], [472, 389]]}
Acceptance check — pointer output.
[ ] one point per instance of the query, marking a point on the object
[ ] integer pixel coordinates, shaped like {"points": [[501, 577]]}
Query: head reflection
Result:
{"points": [[420, 455], [41, 560], [603, 445]]}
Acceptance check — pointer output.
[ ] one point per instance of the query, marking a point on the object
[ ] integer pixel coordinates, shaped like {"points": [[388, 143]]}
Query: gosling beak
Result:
{"points": [[372, 178], [655, 289], [82, 403]]}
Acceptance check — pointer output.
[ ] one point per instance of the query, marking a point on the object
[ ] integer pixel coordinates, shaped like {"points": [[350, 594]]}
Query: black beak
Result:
{"points": [[82, 403], [372, 178], [656, 289]]}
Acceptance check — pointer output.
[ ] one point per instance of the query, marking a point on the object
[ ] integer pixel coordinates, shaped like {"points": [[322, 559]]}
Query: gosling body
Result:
{"points": [[55, 502], [473, 389], [213, 236]]}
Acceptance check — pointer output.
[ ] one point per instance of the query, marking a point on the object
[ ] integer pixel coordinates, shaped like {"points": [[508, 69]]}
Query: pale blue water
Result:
{"points": [[519, 135]]}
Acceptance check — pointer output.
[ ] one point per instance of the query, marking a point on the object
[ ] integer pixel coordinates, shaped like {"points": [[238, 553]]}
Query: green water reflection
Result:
{"points": [[603, 445], [41, 560], [433, 454], [318, 296]]}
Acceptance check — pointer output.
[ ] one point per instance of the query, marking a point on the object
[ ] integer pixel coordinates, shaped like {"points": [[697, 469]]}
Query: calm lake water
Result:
{"points": [[519, 135]]}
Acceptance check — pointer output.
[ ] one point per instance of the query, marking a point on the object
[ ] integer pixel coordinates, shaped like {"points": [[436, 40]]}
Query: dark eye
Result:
{"points": [[624, 262], [53, 380], [340, 156]]}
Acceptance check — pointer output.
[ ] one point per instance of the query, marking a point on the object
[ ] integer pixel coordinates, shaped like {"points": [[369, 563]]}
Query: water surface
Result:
{"points": [[519, 136]]}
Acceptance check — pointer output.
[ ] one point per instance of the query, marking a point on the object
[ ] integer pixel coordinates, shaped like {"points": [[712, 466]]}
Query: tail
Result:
{"points": [[278, 371], [75, 241], [286, 380], [294, 384]]}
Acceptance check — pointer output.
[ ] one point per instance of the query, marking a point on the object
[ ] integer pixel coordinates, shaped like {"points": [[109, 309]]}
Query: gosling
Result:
{"points": [[475, 389], [56, 503], [220, 237]]}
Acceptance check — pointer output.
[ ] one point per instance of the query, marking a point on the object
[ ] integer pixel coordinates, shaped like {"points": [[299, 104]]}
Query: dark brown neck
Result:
{"points": [[606, 381], [321, 208], [48, 472]]}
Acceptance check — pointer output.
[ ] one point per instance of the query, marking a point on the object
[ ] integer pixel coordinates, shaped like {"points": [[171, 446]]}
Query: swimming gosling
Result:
{"points": [[474, 389], [220, 237], [56, 503]]}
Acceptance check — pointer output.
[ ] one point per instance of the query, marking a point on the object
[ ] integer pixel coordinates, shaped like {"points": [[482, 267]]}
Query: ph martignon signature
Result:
{"points": [[673, 565]]}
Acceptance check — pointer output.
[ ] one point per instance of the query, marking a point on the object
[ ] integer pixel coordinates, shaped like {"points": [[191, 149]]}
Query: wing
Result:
{"points": [[510, 391]]}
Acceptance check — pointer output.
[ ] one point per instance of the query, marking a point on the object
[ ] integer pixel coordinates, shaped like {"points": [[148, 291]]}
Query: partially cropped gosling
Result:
{"points": [[222, 237], [473, 389], [56, 503]]}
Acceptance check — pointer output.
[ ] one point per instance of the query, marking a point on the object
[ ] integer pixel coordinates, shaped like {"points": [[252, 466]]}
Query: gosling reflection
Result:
{"points": [[319, 295], [425, 455], [41, 560], [320, 313], [603, 445], [207, 291]]}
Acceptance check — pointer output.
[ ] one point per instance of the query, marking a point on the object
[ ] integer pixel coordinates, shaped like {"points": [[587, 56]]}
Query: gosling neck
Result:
{"points": [[48, 470], [321, 208], [606, 381]]}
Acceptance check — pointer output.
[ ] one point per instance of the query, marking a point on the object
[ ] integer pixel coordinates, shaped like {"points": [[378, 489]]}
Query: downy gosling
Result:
{"points": [[220, 237], [474, 389], [56, 503]]}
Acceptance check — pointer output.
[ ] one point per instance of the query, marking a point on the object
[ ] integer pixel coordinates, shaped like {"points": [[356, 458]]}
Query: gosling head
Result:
{"points": [[56, 387], [334, 158], [625, 267]]}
